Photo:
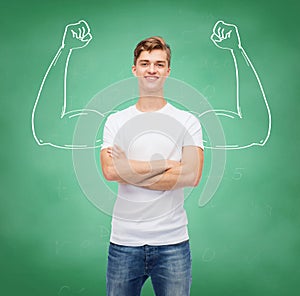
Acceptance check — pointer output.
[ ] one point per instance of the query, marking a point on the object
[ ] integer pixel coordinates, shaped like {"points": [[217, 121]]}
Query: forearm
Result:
{"points": [[50, 104], [52, 92], [177, 177], [186, 174], [154, 175], [249, 91], [135, 172]]}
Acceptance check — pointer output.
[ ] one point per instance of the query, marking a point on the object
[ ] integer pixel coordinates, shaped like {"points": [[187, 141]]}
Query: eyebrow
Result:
{"points": [[141, 61]]}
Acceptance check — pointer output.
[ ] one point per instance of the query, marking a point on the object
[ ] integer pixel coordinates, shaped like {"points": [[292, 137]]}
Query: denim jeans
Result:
{"points": [[169, 268]]}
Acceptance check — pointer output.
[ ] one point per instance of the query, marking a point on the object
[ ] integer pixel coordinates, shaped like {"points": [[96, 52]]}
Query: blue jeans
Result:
{"points": [[169, 268]]}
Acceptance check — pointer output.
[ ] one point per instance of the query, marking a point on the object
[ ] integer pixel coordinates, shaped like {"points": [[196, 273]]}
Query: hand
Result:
{"points": [[116, 153], [226, 36], [119, 159], [77, 35]]}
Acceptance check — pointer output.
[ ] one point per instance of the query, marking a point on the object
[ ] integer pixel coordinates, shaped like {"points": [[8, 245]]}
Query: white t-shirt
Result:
{"points": [[143, 216]]}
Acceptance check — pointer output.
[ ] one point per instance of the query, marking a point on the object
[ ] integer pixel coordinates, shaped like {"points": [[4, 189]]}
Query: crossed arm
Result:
{"points": [[154, 175]]}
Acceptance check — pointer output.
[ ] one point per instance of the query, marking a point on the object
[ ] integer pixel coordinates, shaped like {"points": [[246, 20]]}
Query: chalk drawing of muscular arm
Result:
{"points": [[249, 123], [52, 123]]}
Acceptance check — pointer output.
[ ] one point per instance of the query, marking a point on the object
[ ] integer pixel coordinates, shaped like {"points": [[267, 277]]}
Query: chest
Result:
{"points": [[151, 137]]}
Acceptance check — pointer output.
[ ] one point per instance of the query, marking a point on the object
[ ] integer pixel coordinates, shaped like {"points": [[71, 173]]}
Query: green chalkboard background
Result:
{"points": [[53, 240]]}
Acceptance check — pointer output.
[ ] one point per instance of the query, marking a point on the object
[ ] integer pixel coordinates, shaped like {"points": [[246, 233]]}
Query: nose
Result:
{"points": [[151, 68]]}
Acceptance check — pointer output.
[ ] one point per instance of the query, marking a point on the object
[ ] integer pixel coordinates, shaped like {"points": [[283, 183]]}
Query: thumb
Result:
{"points": [[87, 38], [215, 39]]}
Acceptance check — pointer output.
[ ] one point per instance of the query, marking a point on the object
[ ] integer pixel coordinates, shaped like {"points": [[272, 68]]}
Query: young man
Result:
{"points": [[153, 150]]}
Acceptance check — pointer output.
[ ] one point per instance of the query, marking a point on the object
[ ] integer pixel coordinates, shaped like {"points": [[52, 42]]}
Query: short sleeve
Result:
{"points": [[108, 133], [193, 135]]}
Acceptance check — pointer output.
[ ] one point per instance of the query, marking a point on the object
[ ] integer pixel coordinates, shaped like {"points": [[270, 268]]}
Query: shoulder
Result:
{"points": [[120, 115], [182, 115]]}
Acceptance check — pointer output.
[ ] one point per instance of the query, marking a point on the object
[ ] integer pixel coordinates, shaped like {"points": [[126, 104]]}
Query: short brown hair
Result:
{"points": [[150, 44]]}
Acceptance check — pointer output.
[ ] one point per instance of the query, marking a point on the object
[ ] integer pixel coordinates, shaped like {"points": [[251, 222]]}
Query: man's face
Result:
{"points": [[152, 69]]}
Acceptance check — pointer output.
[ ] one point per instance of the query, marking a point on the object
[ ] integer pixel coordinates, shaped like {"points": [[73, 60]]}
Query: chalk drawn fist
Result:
{"points": [[226, 36], [76, 35]]}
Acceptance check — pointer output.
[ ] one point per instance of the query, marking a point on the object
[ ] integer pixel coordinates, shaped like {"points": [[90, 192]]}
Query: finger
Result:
{"points": [[228, 34], [228, 27], [216, 26], [109, 152], [84, 24], [87, 38], [83, 32], [219, 27], [222, 33], [80, 33], [113, 155], [117, 148], [215, 38], [219, 32], [74, 34], [116, 151]]}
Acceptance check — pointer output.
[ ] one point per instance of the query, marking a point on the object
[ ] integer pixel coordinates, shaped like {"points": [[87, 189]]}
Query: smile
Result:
{"points": [[151, 78]]}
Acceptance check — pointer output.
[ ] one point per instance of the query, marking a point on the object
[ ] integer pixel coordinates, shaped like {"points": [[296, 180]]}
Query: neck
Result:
{"points": [[150, 103]]}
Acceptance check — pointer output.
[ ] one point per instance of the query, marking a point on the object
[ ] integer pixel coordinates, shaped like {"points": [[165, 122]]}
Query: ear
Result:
{"points": [[133, 70], [168, 71]]}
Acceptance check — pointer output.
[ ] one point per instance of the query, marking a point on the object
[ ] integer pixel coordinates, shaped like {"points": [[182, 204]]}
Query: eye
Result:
{"points": [[160, 65], [144, 64]]}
